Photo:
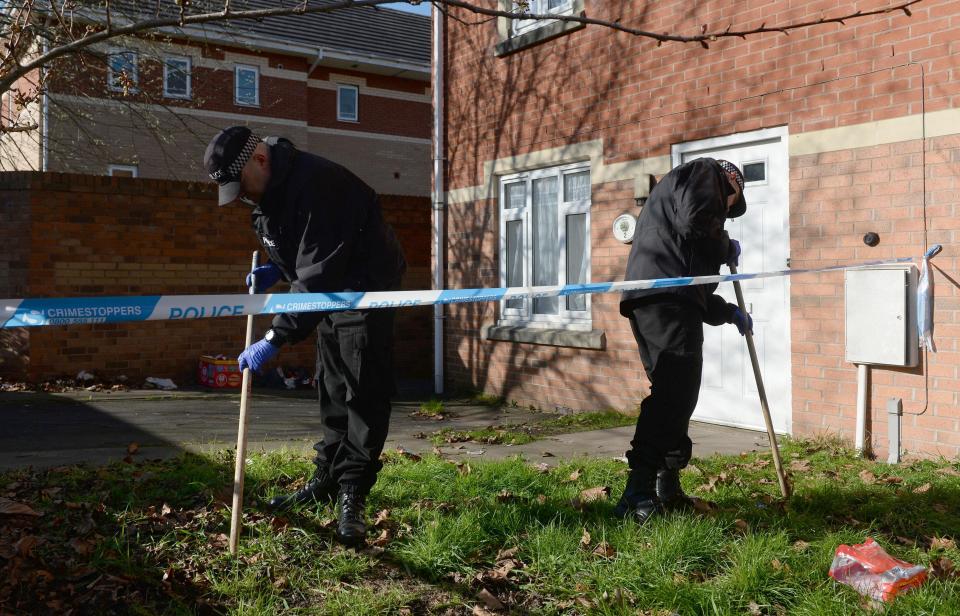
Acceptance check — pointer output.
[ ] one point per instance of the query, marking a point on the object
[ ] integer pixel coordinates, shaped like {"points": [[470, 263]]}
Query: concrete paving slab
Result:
{"points": [[44, 430]]}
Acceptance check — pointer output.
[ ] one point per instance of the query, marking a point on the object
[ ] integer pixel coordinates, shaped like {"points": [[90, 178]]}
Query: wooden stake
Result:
{"points": [[764, 406], [235, 524]]}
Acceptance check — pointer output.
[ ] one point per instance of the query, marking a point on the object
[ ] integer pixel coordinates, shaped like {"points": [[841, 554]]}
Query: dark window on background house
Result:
{"points": [[122, 75], [247, 85], [176, 77], [348, 103]]}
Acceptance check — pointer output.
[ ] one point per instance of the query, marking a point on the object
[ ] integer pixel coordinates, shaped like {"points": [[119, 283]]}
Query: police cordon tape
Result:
{"points": [[37, 312]]}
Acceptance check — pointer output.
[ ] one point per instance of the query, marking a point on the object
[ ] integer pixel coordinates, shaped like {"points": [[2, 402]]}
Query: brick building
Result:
{"points": [[352, 85], [554, 129]]}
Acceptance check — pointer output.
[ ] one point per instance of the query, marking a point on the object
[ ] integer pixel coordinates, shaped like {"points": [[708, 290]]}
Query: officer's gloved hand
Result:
{"points": [[256, 355], [266, 275], [743, 321], [733, 254]]}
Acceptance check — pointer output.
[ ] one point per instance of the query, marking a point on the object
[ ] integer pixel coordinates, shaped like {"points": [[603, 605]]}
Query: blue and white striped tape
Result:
{"points": [[35, 312]]}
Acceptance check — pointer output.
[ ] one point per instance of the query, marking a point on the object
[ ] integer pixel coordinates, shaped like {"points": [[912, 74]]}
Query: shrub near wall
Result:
{"points": [[78, 235]]}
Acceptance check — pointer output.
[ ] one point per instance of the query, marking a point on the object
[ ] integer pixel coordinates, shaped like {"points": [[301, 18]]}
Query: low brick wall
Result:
{"points": [[79, 235]]}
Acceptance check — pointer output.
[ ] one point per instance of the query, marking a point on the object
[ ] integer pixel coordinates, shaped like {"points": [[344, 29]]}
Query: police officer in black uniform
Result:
{"points": [[324, 232], [679, 233]]}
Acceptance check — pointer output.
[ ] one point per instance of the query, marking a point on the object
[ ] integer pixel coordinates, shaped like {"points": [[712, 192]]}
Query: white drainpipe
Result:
{"points": [[438, 195]]}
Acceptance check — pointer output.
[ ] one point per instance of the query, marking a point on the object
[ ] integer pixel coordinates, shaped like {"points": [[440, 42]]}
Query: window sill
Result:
{"points": [[594, 339], [348, 120], [177, 97], [248, 105], [536, 36]]}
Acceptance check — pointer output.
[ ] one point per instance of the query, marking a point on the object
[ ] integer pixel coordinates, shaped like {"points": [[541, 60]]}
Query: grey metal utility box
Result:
{"points": [[881, 321]]}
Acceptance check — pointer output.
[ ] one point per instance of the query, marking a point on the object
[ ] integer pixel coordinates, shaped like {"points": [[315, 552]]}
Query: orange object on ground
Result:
{"points": [[872, 572]]}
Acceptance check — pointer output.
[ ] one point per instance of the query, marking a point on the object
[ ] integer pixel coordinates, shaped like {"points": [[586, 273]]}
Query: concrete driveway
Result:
{"points": [[43, 430]]}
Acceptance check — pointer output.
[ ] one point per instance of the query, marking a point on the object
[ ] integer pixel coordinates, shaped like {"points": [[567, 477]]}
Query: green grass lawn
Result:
{"points": [[150, 538]]}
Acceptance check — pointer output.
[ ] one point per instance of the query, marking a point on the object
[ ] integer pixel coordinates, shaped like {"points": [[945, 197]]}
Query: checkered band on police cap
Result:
{"points": [[232, 172], [731, 168]]}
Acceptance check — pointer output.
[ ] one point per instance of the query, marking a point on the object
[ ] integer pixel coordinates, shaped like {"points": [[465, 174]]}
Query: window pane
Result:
{"points": [[516, 195], [176, 77], [546, 242], [555, 4], [576, 186], [247, 86], [754, 172], [576, 258], [514, 260], [347, 105], [123, 70]]}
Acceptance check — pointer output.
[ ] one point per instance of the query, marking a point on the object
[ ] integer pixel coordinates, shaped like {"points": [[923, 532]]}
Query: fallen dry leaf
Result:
{"points": [[800, 466], [479, 610], [942, 568], [382, 539], [542, 468], [11, 507], [506, 496], [942, 543], [279, 523], [24, 547], [133, 448], [490, 601], [741, 525], [81, 546], [508, 553], [547, 454], [754, 609], [801, 546], [585, 539], [922, 489], [867, 477], [949, 470], [382, 516], [409, 455], [604, 550], [574, 475], [940, 508], [591, 495]]}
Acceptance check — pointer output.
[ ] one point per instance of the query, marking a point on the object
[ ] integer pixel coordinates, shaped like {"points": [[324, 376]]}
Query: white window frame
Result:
{"points": [[11, 119], [134, 169], [566, 319], [188, 71], [341, 116], [135, 77], [539, 7], [236, 85]]}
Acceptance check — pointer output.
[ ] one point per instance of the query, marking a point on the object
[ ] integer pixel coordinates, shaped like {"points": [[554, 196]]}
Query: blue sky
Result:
{"points": [[423, 9]]}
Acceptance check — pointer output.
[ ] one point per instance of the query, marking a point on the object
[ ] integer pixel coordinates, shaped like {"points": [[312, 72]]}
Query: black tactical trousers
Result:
{"points": [[669, 333], [355, 382]]}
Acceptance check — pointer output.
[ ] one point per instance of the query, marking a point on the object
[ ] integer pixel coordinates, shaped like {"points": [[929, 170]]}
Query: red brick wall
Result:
{"points": [[836, 198], [74, 235], [639, 99]]}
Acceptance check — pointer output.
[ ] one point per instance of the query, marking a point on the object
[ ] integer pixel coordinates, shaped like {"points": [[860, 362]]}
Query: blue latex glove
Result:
{"points": [[256, 355], [744, 322], [733, 253], [267, 276]]}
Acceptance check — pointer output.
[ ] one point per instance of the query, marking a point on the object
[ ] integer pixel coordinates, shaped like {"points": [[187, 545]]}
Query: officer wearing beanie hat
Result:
{"points": [[324, 232], [679, 233]]}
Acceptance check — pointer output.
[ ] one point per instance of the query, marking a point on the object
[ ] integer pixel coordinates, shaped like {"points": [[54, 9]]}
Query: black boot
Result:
{"points": [[351, 525], [321, 488], [670, 492], [639, 499]]}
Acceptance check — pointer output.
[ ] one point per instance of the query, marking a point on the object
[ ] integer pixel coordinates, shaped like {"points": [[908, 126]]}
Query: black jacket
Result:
{"points": [[323, 227], [680, 233]]}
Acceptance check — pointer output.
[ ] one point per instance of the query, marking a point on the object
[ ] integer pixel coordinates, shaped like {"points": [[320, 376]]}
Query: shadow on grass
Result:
{"points": [[153, 535]]}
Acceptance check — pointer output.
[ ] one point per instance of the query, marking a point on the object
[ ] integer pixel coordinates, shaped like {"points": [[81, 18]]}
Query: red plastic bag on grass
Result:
{"points": [[872, 572]]}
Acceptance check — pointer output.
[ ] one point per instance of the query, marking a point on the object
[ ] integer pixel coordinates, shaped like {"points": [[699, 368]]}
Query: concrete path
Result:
{"points": [[43, 430]]}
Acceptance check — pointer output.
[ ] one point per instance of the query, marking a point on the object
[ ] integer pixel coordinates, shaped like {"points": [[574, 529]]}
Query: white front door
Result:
{"points": [[728, 394]]}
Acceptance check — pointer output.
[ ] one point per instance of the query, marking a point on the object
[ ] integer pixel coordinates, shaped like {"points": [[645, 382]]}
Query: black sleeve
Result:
{"points": [[700, 211], [718, 310]]}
